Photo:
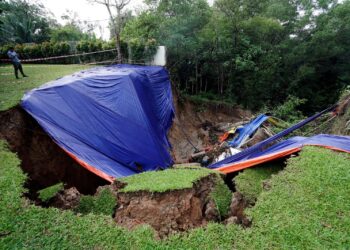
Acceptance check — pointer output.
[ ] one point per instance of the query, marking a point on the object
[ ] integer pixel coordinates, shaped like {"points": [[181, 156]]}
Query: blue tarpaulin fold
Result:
{"points": [[247, 130], [113, 120]]}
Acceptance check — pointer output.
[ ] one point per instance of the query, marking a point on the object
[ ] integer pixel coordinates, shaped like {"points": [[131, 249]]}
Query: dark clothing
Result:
{"points": [[15, 62], [18, 66]]}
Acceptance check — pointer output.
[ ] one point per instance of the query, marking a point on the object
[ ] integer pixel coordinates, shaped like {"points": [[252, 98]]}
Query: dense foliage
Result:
{"points": [[252, 52]]}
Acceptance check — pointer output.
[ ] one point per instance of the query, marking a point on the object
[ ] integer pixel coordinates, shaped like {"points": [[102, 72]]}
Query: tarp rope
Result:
{"points": [[260, 146], [60, 57]]}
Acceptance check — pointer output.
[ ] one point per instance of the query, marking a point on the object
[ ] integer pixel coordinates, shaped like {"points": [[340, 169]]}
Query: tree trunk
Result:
{"points": [[117, 37], [116, 33]]}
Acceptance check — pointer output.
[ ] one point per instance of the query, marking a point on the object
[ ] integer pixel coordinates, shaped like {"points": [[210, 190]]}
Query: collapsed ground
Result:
{"points": [[316, 208], [304, 206]]}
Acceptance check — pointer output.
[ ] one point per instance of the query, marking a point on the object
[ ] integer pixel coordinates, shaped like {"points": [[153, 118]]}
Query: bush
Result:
{"points": [[288, 111]]}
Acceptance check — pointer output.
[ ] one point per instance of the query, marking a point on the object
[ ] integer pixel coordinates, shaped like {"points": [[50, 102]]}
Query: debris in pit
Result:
{"points": [[67, 199], [57, 196], [235, 137]]}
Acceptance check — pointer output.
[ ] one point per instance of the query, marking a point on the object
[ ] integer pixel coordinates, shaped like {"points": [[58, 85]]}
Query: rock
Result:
{"points": [[67, 199], [211, 211], [232, 220], [238, 204], [266, 185]]}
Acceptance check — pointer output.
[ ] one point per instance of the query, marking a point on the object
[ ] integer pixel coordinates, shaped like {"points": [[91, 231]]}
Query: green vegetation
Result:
{"points": [[222, 196], [306, 208], [102, 203], [258, 47], [250, 181], [25, 226], [247, 51], [12, 90], [47, 193], [162, 181]]}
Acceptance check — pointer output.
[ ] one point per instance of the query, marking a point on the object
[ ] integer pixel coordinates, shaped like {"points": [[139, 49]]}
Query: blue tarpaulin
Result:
{"points": [[247, 131], [113, 120], [283, 149], [259, 147]]}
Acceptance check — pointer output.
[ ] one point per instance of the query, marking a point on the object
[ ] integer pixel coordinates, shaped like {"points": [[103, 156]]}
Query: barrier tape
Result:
{"points": [[60, 57]]}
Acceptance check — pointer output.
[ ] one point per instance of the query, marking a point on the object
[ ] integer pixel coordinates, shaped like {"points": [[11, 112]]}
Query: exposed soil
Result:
{"points": [[200, 125], [66, 199], [43, 161], [237, 215], [171, 211]]}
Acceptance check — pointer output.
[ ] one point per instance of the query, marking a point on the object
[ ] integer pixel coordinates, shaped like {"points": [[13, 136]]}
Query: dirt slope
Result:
{"points": [[198, 124]]}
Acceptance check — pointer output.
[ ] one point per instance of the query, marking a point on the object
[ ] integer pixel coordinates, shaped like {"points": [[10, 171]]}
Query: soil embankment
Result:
{"points": [[42, 160], [200, 125], [171, 211]]}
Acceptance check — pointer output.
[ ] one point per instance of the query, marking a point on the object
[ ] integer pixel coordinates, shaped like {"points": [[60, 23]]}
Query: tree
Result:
{"points": [[23, 22], [116, 21], [73, 30]]}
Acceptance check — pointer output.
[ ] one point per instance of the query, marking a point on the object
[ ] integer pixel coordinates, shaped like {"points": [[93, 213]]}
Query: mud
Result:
{"points": [[42, 160], [168, 212]]}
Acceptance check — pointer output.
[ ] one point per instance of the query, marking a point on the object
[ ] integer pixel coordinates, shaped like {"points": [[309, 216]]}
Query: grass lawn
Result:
{"points": [[12, 89], [250, 181], [161, 181], [307, 207]]}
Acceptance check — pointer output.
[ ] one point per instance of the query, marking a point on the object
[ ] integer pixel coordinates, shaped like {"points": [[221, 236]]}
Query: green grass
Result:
{"points": [[47, 193], [222, 197], [307, 207], [102, 203], [250, 181], [162, 181], [12, 90]]}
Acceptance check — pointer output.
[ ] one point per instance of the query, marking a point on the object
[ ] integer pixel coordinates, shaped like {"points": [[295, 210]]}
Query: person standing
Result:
{"points": [[15, 62]]}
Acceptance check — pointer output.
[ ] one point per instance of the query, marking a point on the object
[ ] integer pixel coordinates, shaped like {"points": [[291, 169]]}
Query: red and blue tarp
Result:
{"points": [[113, 120], [284, 149]]}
